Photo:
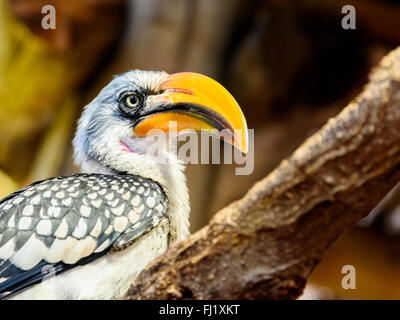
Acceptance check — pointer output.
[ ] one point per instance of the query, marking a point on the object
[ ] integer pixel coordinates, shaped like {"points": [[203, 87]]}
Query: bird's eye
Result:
{"points": [[131, 101]]}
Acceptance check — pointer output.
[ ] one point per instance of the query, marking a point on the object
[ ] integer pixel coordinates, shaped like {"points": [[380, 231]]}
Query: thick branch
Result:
{"points": [[266, 244]]}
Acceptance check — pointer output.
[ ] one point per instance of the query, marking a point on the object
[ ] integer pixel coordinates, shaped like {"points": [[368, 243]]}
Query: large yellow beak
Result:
{"points": [[196, 102]]}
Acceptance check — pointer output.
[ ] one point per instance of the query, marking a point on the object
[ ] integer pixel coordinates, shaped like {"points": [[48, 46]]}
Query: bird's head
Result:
{"points": [[113, 130]]}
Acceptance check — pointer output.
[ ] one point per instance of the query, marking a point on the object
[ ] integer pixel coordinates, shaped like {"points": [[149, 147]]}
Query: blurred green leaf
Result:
{"points": [[7, 185]]}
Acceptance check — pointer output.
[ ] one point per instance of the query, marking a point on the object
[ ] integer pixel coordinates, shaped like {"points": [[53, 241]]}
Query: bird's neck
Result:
{"points": [[170, 175], [174, 184]]}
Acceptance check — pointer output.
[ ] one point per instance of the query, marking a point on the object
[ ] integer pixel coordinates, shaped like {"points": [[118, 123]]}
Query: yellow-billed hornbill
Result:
{"points": [[96, 231]]}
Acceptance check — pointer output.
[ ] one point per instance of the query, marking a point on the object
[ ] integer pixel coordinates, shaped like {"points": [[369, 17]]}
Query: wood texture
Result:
{"points": [[265, 245]]}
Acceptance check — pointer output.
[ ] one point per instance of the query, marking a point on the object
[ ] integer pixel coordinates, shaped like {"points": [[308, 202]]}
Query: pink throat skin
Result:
{"points": [[125, 147]]}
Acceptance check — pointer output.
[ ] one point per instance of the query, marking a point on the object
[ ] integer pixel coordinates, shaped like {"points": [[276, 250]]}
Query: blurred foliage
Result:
{"points": [[7, 185], [51, 150], [40, 69], [31, 79]]}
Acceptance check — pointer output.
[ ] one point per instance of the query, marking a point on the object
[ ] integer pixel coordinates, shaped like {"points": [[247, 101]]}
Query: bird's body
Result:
{"points": [[108, 277], [88, 236], [60, 221]]}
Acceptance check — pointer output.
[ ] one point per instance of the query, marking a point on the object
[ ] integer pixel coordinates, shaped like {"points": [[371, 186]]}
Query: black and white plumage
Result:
{"points": [[61, 221], [95, 232]]}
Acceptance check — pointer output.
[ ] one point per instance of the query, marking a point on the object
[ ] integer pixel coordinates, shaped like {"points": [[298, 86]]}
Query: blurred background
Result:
{"points": [[289, 63]]}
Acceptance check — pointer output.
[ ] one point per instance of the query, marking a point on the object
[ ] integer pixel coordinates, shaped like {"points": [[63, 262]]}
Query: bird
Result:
{"points": [[89, 235]]}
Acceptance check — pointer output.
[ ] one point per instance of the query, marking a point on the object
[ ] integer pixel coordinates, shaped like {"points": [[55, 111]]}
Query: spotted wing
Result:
{"points": [[69, 221]]}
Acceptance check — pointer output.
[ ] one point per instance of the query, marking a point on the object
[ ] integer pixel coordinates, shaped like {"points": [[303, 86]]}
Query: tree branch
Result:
{"points": [[265, 245]]}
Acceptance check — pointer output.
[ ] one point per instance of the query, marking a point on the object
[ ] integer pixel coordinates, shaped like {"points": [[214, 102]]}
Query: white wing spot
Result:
{"points": [[118, 211], [29, 192], [96, 229], [92, 195], [133, 217], [75, 194], [11, 222], [96, 203], [70, 254], [30, 254], [54, 212], [135, 201], [44, 227], [140, 190], [7, 250], [67, 202], [140, 209], [35, 199], [107, 213], [114, 203], [18, 200], [151, 202], [103, 246], [62, 229], [108, 230], [109, 196], [120, 224], [80, 229], [28, 211], [43, 214], [47, 194], [24, 223], [60, 194], [126, 195], [85, 211]]}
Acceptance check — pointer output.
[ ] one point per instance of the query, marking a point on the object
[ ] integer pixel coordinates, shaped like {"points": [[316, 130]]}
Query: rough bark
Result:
{"points": [[265, 245]]}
